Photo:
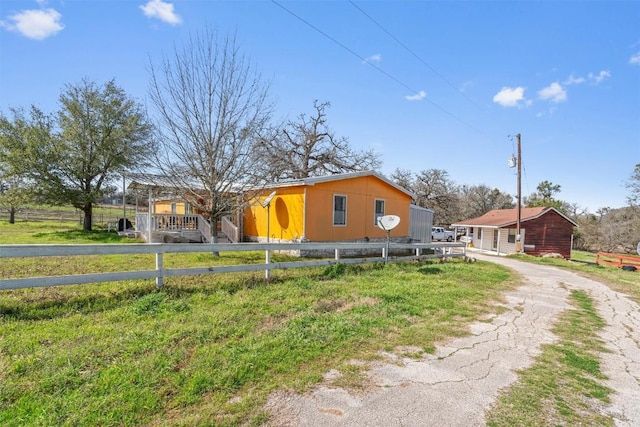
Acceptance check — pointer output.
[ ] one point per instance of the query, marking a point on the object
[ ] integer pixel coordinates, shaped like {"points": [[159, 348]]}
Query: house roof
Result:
{"points": [[161, 182], [499, 218], [147, 180], [339, 177]]}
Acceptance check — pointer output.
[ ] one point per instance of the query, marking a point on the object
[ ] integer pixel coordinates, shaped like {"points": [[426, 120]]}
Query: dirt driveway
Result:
{"points": [[454, 386]]}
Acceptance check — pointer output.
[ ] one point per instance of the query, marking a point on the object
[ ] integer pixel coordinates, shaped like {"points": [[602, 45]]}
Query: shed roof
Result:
{"points": [[499, 218]]}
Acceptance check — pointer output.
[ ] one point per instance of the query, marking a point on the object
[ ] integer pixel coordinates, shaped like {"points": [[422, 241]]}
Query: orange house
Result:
{"points": [[342, 207]]}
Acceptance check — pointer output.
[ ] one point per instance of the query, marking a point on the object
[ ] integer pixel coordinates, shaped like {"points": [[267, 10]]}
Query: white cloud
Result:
{"points": [[35, 24], [161, 10], [553, 93], [574, 80], [635, 59], [511, 97], [374, 59], [417, 97], [598, 78]]}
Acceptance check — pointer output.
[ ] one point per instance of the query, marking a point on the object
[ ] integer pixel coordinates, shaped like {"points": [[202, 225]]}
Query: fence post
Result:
{"points": [[267, 261], [337, 254], [159, 270]]}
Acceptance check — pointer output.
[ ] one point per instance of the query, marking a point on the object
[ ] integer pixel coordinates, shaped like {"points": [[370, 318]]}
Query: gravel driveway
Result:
{"points": [[454, 386]]}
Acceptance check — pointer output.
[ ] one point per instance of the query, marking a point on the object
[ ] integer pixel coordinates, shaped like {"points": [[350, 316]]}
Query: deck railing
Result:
{"points": [[177, 223], [172, 223], [230, 230]]}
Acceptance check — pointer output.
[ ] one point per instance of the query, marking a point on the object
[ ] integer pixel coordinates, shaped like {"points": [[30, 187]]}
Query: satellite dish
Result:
{"points": [[388, 222], [268, 200]]}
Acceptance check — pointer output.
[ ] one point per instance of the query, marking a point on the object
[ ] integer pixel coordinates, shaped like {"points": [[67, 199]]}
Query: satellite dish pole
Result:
{"points": [[388, 223], [267, 204]]}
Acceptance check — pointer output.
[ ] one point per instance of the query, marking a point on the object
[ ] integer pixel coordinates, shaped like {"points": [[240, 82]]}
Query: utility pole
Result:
{"points": [[518, 237]]}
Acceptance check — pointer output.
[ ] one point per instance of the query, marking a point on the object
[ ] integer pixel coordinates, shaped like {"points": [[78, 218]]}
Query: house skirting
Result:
{"points": [[323, 253]]}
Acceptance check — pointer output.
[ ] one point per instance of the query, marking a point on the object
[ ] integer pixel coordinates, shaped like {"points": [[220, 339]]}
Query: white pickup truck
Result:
{"points": [[439, 233]]}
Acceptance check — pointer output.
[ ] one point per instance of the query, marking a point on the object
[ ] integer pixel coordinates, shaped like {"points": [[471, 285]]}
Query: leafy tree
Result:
{"points": [[307, 147], [98, 133], [545, 196], [22, 137], [14, 194], [212, 107]]}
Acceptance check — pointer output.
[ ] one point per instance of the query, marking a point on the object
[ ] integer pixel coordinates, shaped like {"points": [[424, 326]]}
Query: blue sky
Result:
{"points": [[427, 84]]}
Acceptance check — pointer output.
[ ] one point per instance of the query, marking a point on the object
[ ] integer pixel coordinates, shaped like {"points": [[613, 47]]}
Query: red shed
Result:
{"points": [[543, 230]]}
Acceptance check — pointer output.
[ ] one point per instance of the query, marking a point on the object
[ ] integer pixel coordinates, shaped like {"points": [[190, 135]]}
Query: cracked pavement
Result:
{"points": [[455, 385]]}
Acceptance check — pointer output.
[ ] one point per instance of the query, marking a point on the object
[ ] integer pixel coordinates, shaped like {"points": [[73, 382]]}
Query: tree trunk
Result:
{"points": [[214, 232], [12, 215], [88, 214]]}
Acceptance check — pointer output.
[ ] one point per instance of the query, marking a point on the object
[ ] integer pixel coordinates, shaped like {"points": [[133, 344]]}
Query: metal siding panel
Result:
{"points": [[420, 223]]}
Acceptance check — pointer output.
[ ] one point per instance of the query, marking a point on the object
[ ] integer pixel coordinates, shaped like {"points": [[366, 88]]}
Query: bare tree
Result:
{"points": [[436, 191], [476, 200], [307, 147], [633, 184], [404, 178], [212, 107], [433, 190]]}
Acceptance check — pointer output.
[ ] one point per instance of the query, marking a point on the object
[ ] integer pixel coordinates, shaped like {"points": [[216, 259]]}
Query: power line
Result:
{"points": [[351, 51], [415, 55]]}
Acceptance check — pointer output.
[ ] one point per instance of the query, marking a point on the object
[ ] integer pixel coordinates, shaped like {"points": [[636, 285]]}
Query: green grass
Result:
{"points": [[45, 232], [564, 386], [627, 282], [208, 350]]}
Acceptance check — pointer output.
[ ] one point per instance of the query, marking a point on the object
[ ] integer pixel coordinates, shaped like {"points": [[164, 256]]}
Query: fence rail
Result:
{"points": [[440, 250], [618, 260]]}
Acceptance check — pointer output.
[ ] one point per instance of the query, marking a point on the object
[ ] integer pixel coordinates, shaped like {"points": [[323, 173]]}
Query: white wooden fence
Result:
{"points": [[441, 250]]}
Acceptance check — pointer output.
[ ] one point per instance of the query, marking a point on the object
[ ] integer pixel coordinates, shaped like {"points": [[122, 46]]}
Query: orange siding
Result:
{"points": [[164, 207], [361, 194], [307, 211], [285, 215]]}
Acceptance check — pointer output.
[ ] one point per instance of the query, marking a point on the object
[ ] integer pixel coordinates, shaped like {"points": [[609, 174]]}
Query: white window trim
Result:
{"points": [[334, 210], [375, 214]]}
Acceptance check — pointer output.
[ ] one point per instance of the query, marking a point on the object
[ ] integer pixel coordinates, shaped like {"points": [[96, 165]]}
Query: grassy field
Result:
{"points": [[627, 282], [101, 214], [208, 350]]}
